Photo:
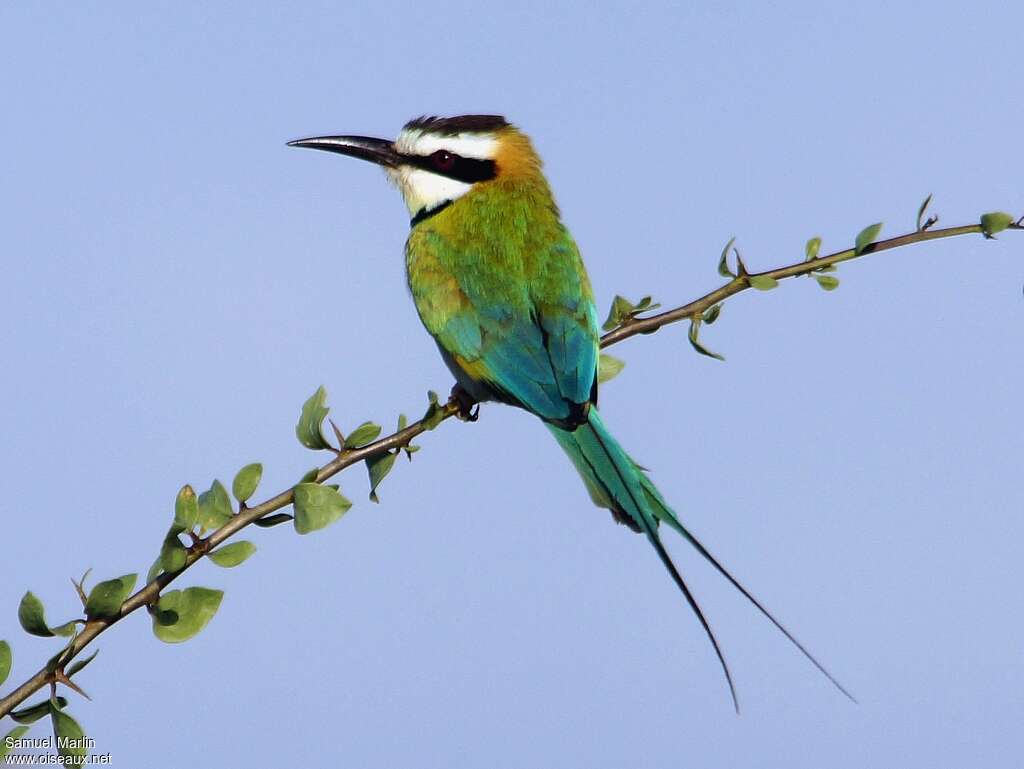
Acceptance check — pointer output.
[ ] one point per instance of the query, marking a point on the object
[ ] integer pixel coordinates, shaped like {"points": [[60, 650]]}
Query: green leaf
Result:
{"points": [[272, 520], [367, 432], [233, 554], [310, 477], [313, 414], [812, 248], [866, 237], [32, 616], [712, 313], [32, 713], [66, 630], [763, 282], [245, 483], [723, 262], [827, 282], [435, 411], [5, 660], [608, 368], [694, 329], [106, 598], [71, 740], [173, 554], [317, 506], [186, 509], [920, 212], [79, 664], [409, 449], [181, 614], [619, 311], [997, 221], [10, 740], [154, 570], [378, 467], [215, 507]]}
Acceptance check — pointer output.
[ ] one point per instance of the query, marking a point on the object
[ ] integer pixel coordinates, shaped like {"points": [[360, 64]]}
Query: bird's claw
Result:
{"points": [[468, 408]]}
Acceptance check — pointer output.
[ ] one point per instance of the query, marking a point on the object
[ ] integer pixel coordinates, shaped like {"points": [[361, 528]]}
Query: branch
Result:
{"points": [[631, 326], [627, 325]]}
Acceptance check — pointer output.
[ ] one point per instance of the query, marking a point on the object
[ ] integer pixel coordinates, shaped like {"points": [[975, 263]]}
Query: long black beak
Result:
{"points": [[380, 151]]}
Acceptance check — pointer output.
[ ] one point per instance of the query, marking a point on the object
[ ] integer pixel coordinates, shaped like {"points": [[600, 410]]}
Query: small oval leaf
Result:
{"points": [[378, 467], [994, 222], [32, 713], [367, 432], [71, 740], [695, 342], [215, 507], [32, 616], [763, 282], [827, 282], [712, 313], [5, 660], [233, 554], [618, 312], [106, 598], [79, 664], [313, 414], [173, 554], [181, 614], [10, 740], [812, 248], [723, 261], [186, 508], [866, 237], [245, 483], [272, 520], [608, 368], [317, 506]]}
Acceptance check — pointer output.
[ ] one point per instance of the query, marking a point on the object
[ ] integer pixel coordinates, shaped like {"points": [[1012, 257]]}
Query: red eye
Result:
{"points": [[443, 160]]}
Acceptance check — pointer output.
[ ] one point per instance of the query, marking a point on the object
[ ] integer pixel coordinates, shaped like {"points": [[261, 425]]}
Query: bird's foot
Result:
{"points": [[468, 408]]}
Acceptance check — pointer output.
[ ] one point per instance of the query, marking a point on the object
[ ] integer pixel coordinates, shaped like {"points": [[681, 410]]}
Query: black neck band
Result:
{"points": [[425, 213]]}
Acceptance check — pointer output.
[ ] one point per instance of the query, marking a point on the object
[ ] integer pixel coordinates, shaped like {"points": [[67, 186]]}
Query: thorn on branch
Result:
{"points": [[741, 268], [80, 588], [341, 438], [60, 678]]}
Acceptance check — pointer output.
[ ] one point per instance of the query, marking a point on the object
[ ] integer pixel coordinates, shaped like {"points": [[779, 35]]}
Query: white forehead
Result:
{"points": [[414, 141]]}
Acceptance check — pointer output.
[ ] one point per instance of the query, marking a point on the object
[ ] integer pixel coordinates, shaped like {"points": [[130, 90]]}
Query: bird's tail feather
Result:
{"points": [[615, 481]]}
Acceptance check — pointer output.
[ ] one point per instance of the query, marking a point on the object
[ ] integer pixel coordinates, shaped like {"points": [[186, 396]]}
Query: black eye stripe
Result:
{"points": [[468, 170]]}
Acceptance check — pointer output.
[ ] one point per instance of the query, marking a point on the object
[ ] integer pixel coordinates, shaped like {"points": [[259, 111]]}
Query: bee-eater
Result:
{"points": [[499, 283]]}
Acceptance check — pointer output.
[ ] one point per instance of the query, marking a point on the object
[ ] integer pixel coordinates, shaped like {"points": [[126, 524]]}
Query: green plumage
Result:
{"points": [[500, 285]]}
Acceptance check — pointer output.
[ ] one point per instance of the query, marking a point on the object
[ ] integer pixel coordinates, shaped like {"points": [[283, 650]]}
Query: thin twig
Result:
{"points": [[150, 593]]}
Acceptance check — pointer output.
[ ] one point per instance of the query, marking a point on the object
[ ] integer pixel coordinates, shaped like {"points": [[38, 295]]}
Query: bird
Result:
{"points": [[499, 283]]}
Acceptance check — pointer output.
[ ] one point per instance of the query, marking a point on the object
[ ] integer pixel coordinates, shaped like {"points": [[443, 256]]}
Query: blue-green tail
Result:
{"points": [[616, 482]]}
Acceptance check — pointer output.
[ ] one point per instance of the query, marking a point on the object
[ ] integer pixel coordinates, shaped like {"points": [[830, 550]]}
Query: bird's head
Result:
{"points": [[435, 161]]}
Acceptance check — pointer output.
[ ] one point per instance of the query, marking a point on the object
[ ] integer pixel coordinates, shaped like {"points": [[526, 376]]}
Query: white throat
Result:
{"points": [[424, 190]]}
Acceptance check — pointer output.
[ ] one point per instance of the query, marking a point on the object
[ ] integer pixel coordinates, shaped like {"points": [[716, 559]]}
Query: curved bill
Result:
{"points": [[380, 151]]}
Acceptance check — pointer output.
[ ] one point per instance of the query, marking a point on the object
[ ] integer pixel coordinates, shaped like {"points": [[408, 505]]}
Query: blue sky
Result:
{"points": [[177, 281]]}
